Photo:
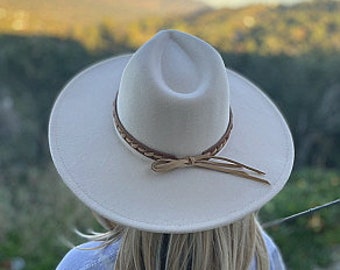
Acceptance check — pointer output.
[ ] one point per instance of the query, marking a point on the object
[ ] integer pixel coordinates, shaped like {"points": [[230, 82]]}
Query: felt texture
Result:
{"points": [[180, 118]]}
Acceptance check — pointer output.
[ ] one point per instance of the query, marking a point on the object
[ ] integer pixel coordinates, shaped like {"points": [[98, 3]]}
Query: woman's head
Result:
{"points": [[228, 247]]}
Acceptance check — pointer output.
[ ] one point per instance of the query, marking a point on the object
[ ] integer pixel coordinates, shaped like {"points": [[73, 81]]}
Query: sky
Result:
{"points": [[238, 3]]}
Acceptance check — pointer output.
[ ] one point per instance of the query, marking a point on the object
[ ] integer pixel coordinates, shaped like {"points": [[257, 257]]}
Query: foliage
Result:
{"points": [[32, 72], [306, 241], [307, 89], [259, 29], [61, 17], [37, 214], [272, 30]]}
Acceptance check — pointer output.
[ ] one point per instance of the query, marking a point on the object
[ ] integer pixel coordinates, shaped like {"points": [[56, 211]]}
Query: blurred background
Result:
{"points": [[291, 49]]}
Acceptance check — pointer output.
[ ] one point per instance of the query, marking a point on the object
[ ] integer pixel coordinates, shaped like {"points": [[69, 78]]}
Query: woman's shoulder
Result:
{"points": [[90, 256], [275, 258]]}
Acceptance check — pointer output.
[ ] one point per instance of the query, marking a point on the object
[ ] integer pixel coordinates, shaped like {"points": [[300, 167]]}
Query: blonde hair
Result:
{"points": [[231, 247]]}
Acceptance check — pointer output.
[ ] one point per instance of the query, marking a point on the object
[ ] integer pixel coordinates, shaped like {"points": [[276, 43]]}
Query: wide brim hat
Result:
{"points": [[127, 136]]}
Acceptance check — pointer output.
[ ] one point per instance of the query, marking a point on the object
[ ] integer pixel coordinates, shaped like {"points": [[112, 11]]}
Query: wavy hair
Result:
{"points": [[231, 247]]}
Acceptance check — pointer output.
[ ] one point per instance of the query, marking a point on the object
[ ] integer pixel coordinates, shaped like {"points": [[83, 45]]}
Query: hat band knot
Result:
{"points": [[164, 162], [215, 163]]}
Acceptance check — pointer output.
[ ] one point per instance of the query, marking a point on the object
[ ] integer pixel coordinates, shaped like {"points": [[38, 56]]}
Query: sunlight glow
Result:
{"points": [[239, 3]]}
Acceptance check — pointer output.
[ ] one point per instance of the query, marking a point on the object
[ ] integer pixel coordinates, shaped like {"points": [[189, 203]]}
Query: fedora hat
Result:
{"points": [[168, 139]]}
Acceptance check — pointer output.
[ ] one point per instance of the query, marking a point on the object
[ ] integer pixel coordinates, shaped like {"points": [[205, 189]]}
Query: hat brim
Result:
{"points": [[117, 182]]}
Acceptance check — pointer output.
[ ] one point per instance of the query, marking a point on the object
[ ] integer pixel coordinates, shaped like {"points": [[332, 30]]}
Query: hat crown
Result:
{"points": [[174, 95]]}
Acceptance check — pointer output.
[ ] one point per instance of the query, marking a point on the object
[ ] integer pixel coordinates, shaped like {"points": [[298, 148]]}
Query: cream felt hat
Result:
{"points": [[169, 140]]}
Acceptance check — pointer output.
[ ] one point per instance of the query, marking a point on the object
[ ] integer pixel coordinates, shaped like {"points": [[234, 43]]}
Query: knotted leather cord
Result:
{"points": [[165, 162]]}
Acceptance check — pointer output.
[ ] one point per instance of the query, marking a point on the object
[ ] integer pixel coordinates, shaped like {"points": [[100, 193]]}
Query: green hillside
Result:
{"points": [[263, 29], [259, 28], [278, 29], [59, 16]]}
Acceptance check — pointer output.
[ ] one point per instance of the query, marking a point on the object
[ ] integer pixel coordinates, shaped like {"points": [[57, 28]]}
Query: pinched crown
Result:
{"points": [[174, 94]]}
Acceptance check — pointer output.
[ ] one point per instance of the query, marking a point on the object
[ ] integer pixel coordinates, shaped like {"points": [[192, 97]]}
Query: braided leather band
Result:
{"points": [[166, 162]]}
